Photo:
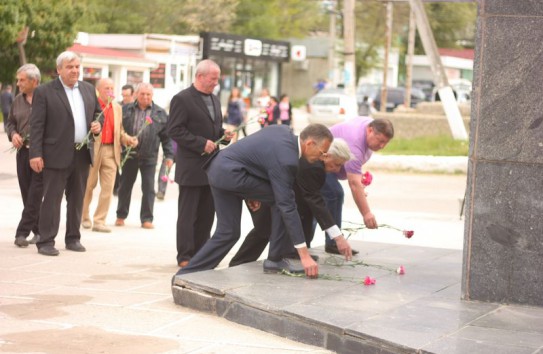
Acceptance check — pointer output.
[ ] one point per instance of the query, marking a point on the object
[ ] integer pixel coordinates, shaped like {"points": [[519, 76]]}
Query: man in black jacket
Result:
{"points": [[310, 204], [146, 121], [195, 124]]}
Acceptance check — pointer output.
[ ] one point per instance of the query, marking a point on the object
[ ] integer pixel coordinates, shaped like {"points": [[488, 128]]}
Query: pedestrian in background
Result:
{"points": [[285, 110], [18, 131], [144, 157], [6, 99], [236, 114]]}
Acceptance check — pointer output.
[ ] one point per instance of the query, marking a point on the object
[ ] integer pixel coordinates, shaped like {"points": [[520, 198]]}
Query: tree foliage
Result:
{"points": [[51, 30]]}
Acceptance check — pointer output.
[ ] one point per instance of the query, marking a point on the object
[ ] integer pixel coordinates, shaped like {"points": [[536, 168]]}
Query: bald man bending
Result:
{"points": [[107, 157]]}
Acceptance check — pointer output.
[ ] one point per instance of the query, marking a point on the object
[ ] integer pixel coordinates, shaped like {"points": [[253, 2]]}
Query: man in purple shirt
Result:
{"points": [[364, 136]]}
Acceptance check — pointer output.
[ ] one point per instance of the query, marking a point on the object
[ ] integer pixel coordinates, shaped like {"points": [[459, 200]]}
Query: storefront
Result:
{"points": [[247, 63]]}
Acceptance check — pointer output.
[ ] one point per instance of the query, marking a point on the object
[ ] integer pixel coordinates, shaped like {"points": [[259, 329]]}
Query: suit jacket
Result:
{"points": [[119, 137], [52, 126], [190, 126], [271, 155], [309, 181]]}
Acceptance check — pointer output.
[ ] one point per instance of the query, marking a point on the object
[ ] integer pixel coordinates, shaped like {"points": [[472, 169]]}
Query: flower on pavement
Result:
{"points": [[408, 233], [400, 270], [369, 280]]}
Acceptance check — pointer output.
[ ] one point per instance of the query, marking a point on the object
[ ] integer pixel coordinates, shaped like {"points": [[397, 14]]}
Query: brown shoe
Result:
{"points": [[119, 222], [183, 264], [147, 225]]}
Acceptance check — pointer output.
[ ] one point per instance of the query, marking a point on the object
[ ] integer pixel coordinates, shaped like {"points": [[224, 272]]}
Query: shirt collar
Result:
{"points": [[299, 148], [67, 87]]}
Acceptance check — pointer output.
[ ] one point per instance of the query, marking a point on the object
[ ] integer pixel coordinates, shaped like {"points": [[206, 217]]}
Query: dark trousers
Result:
{"points": [[196, 212], [257, 239], [147, 168], [31, 186], [228, 206], [333, 194], [71, 181]]}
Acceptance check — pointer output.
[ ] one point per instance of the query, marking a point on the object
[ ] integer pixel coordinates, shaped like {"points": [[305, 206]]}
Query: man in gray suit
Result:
{"points": [[63, 112], [261, 167]]}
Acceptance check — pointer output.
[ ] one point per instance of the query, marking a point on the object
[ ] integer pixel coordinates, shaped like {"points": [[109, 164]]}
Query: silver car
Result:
{"points": [[330, 107]]}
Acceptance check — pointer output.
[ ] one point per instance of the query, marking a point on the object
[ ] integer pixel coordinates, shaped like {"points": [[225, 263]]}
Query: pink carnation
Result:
{"points": [[367, 178], [408, 233], [369, 281], [148, 120], [164, 178], [400, 270]]}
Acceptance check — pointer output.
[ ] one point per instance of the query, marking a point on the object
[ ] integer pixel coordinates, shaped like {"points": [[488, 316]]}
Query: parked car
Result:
{"points": [[461, 90], [331, 106], [395, 96]]}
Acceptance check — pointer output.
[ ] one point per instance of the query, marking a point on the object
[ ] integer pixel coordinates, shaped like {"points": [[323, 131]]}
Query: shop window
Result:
{"points": [[158, 76]]}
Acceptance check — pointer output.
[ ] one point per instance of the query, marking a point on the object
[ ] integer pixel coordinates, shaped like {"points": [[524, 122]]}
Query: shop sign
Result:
{"points": [[229, 45]]}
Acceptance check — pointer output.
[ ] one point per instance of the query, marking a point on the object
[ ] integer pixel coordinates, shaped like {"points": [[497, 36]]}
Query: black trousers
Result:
{"points": [[71, 181], [257, 239], [31, 186], [196, 212]]}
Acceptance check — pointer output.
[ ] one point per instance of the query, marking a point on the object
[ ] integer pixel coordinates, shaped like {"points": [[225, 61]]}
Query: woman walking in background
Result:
{"points": [[285, 110], [236, 113]]}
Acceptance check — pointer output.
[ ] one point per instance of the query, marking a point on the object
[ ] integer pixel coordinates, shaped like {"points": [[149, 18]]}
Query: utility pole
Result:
{"points": [[445, 91], [384, 94], [409, 59], [332, 48], [349, 74]]}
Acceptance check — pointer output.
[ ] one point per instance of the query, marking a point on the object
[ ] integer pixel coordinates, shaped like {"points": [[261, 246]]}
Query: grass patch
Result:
{"points": [[427, 145]]}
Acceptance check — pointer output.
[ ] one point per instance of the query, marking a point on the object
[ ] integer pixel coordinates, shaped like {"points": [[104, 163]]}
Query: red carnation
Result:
{"points": [[408, 233], [367, 178]]}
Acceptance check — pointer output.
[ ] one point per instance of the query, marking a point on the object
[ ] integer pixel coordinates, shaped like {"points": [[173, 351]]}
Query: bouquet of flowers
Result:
{"points": [[128, 152]]}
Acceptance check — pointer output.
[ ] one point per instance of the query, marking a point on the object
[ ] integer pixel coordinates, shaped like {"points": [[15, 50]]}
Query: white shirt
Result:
{"points": [[78, 111]]}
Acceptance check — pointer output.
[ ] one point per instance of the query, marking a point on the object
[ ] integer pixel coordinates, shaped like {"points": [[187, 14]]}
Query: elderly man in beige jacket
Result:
{"points": [[107, 157]]}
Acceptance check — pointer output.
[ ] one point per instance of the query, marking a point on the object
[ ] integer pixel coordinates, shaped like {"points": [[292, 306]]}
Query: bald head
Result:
{"points": [[105, 89]]}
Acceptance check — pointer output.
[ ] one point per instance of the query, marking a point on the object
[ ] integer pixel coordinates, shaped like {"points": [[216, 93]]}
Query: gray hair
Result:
{"points": [[144, 85], [318, 132], [339, 149], [32, 72], [66, 56], [205, 66]]}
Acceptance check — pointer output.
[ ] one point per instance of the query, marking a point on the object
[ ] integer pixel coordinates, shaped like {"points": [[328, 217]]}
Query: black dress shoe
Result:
{"points": [[20, 241], [75, 246], [284, 264], [48, 251], [333, 249]]}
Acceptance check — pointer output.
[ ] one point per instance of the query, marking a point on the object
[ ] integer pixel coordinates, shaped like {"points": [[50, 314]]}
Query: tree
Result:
{"points": [[51, 31], [276, 19]]}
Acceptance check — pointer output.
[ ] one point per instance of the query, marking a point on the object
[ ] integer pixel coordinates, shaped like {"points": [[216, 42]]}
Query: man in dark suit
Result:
{"points": [[63, 112], [195, 124], [261, 167], [310, 204]]}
